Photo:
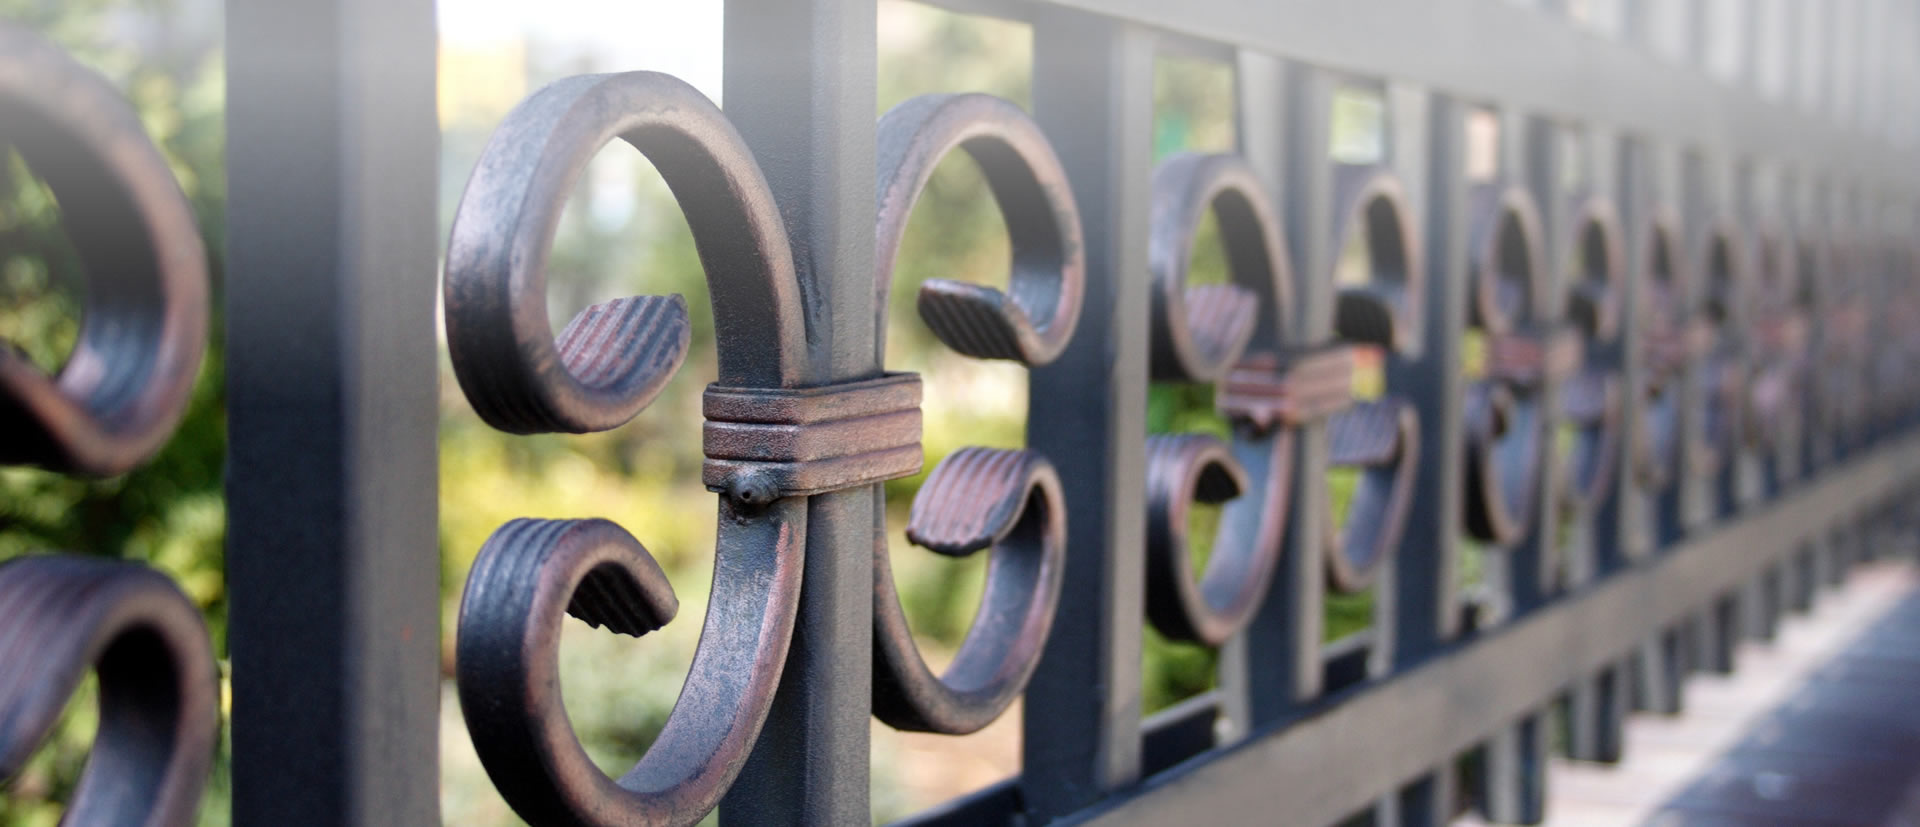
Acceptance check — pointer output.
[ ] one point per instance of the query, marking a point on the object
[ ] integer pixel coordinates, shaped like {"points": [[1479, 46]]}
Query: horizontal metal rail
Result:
{"points": [[1356, 747]]}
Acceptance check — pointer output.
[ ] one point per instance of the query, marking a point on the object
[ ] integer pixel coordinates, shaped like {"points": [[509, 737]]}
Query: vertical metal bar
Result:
{"points": [[332, 562], [1515, 775], [1543, 165], [1425, 614], [1093, 94], [799, 84], [1287, 630]]}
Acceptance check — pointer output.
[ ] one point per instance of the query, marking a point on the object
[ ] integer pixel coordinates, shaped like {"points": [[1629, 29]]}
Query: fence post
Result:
{"points": [[332, 494]]}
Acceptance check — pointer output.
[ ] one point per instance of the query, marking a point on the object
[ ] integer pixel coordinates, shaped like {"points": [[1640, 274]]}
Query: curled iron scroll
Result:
{"points": [[1665, 352], [1770, 405], [1504, 417], [1379, 438], [113, 404], [1008, 501], [159, 689], [605, 368], [1721, 272], [1591, 398], [1387, 309], [1031, 322], [1228, 334], [143, 328]]}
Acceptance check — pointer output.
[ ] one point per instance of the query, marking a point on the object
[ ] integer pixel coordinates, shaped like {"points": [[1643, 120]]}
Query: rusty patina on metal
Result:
{"points": [[606, 367], [1006, 501], [1387, 309], [1380, 439], [1591, 398], [114, 403], [1722, 270], [1504, 414], [143, 328], [1209, 334], [159, 688], [1664, 350]]}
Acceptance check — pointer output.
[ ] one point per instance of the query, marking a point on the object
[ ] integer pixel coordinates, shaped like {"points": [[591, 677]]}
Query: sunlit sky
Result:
{"points": [[679, 37]]}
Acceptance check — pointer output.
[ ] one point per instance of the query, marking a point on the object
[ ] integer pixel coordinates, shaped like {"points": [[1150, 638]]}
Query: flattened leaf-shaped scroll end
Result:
{"points": [[980, 321]]}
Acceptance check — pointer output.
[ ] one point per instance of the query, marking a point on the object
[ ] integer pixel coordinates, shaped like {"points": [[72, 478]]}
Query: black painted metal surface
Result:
{"points": [[1694, 405]]}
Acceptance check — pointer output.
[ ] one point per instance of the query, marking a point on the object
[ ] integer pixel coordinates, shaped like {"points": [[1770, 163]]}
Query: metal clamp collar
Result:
{"points": [[766, 443]]}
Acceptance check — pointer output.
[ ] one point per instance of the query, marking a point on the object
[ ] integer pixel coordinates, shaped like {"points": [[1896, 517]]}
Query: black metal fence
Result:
{"points": [[1656, 361]]}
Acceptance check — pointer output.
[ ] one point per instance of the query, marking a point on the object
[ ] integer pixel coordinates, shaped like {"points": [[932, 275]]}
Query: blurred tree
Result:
{"points": [[168, 513]]}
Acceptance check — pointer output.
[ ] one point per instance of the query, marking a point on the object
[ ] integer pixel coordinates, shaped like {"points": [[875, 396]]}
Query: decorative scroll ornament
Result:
{"points": [[143, 329], [159, 688], [1721, 380], [1008, 501], [1667, 348], [1524, 354], [1591, 399], [1844, 345], [769, 442], [1231, 332], [1771, 405], [1378, 438], [114, 403]]}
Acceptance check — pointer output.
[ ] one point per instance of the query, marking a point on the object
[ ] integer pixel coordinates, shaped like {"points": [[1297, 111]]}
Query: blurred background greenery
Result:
{"points": [[621, 235]]}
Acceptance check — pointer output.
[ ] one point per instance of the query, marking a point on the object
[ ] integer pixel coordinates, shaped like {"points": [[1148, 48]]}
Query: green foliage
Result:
{"points": [[169, 513]]}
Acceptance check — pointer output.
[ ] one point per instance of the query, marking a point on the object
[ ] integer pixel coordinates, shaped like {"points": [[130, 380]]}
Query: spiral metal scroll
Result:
{"points": [[979, 498], [1844, 340], [1721, 273], [1666, 350], [604, 369], [1591, 398], [143, 328], [1387, 309], [115, 402], [1229, 334], [1504, 418], [159, 689], [1033, 321], [1377, 438], [1770, 406]]}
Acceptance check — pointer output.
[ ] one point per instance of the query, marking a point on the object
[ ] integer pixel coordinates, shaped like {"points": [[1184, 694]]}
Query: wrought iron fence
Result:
{"points": [[1668, 400]]}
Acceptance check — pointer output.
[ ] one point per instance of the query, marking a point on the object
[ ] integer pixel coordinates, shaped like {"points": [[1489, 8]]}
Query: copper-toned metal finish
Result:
{"points": [[1530, 360], [159, 688], [1591, 401], [1592, 398], [115, 402], [772, 442], [1722, 277], [531, 571], [1184, 470], [1382, 439], [1379, 438], [613, 358], [763, 444], [1777, 334], [1505, 422], [1230, 332], [143, 328], [978, 498], [1662, 305], [1266, 390], [1387, 309], [1199, 332], [1032, 322]]}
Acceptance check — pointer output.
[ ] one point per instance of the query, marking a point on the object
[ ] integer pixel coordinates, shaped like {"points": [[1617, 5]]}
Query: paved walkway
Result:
{"points": [[1819, 727]]}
